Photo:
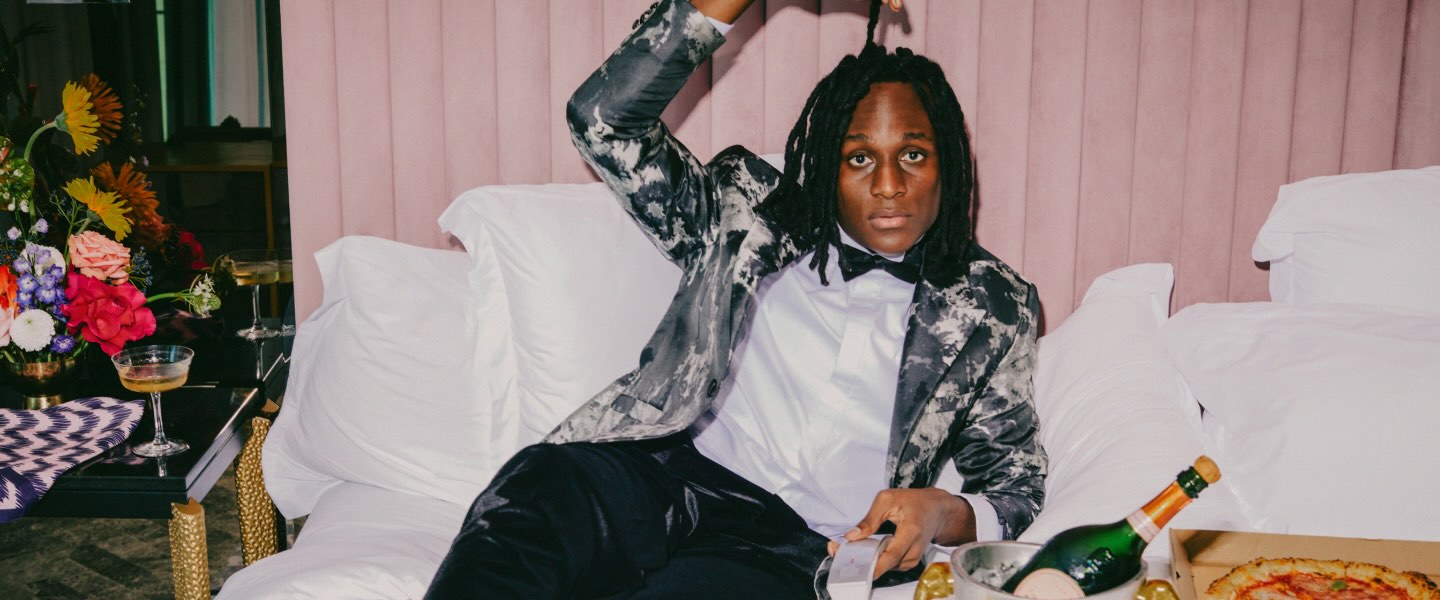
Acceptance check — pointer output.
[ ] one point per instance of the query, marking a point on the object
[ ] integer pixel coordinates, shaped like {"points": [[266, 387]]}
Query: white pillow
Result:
{"points": [[1369, 238], [1113, 417], [392, 380], [1323, 416], [586, 288]]}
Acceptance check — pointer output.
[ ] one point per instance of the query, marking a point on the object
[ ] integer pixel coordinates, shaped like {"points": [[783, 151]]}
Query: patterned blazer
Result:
{"points": [[965, 377]]}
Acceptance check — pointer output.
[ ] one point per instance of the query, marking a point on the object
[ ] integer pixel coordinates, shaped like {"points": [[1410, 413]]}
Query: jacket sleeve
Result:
{"points": [[998, 452], [614, 119]]}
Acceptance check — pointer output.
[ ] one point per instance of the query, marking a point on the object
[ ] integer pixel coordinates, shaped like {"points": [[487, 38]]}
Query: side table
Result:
{"points": [[221, 412], [118, 484]]}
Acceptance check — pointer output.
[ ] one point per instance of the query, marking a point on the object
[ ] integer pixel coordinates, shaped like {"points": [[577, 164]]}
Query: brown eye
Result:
{"points": [[858, 160], [914, 156]]}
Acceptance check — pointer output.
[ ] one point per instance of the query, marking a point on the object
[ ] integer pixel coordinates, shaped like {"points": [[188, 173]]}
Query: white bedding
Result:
{"points": [[361, 543]]}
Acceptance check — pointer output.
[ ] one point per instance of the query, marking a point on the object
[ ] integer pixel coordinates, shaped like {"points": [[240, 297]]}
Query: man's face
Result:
{"points": [[889, 172]]}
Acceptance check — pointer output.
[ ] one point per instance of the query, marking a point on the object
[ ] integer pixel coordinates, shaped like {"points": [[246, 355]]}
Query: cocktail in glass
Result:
{"points": [[253, 268], [155, 369]]}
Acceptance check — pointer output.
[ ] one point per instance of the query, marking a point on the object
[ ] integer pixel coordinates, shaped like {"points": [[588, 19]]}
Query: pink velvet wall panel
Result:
{"points": [[1162, 103], [470, 121], [954, 43], [367, 177], [1322, 75], [418, 159], [1106, 132], [1418, 141], [522, 51], [1001, 137], [1052, 167], [1112, 52], [1217, 62], [308, 30], [1263, 162], [1373, 101], [792, 34], [576, 45]]}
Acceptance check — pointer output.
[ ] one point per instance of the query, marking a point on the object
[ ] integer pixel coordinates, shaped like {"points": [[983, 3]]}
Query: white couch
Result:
{"points": [[424, 369]]}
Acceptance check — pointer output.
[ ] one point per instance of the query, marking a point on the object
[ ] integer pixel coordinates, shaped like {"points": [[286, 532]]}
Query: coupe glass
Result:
{"points": [[253, 268], [155, 369]]}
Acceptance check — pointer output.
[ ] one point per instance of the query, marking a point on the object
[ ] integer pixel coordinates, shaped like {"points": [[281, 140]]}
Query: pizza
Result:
{"points": [[1274, 578]]}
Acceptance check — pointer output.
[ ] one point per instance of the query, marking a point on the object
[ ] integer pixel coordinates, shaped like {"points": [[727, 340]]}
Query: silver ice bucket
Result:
{"points": [[1009, 557]]}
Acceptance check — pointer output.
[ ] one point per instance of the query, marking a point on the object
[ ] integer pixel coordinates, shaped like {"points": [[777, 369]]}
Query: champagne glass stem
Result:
{"points": [[255, 306], [160, 439]]}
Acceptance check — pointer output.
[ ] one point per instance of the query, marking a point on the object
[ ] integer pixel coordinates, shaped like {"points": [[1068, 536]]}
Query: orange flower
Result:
{"points": [[131, 186], [105, 106], [8, 289]]}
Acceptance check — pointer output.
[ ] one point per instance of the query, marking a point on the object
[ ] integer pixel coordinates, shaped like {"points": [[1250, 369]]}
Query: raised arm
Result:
{"points": [[614, 119]]}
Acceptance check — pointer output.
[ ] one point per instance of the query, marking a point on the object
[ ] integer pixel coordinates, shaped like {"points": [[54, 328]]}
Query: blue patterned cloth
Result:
{"points": [[37, 446]]}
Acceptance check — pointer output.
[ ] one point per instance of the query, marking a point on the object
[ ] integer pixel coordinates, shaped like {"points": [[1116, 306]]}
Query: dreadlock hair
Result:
{"points": [[805, 203]]}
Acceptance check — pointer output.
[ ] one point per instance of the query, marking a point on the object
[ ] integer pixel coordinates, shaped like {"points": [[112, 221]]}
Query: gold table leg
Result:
{"points": [[189, 560], [257, 513]]}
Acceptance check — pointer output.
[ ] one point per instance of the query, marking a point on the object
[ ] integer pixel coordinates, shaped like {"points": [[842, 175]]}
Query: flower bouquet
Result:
{"points": [[73, 262]]}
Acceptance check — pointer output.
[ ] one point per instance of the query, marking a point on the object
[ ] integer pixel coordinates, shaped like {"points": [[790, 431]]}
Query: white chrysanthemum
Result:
{"points": [[32, 330]]}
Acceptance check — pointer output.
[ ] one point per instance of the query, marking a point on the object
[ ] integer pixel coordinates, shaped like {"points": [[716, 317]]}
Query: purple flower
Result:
{"points": [[46, 295], [41, 226], [48, 281], [21, 265], [13, 233], [28, 283], [62, 344], [55, 271], [26, 300]]}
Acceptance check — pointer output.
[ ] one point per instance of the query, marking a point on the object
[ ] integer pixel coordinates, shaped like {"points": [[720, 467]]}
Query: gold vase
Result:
{"points": [[42, 384]]}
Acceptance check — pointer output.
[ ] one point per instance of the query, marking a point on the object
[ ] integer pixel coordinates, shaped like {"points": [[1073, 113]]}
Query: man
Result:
{"points": [[789, 395]]}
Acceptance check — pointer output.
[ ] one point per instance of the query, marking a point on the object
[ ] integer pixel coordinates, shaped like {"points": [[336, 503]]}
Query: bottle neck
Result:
{"points": [[1151, 518]]}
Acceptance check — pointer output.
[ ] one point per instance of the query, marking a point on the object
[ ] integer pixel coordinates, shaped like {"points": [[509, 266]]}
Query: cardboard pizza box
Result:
{"points": [[1199, 557]]}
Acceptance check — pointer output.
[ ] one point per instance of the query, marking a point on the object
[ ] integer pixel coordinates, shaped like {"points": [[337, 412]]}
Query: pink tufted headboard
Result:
{"points": [[1107, 132]]}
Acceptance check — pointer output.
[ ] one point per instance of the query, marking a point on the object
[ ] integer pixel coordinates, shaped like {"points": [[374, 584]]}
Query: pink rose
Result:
{"points": [[109, 315], [99, 257]]}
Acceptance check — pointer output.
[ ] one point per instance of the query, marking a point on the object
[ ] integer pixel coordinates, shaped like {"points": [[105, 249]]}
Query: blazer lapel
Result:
{"points": [[940, 323], [764, 249]]}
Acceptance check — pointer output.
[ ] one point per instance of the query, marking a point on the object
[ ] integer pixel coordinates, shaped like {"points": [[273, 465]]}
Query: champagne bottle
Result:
{"points": [[1093, 558]]}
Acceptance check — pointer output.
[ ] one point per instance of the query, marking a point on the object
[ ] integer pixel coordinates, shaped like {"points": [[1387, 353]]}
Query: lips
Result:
{"points": [[888, 219]]}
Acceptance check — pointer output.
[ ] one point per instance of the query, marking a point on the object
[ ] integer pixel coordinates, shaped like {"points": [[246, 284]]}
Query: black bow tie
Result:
{"points": [[855, 262]]}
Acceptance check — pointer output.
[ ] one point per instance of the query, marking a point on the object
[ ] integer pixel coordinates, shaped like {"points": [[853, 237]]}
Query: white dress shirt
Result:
{"points": [[806, 411]]}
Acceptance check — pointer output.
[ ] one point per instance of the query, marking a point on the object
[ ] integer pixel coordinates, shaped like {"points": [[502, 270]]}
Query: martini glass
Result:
{"points": [[155, 369], [253, 268]]}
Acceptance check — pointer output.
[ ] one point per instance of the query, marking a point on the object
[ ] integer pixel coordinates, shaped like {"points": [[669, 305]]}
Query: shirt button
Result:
{"points": [[712, 388]]}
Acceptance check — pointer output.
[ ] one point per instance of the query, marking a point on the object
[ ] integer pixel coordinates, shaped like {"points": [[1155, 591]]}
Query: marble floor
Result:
{"points": [[111, 558]]}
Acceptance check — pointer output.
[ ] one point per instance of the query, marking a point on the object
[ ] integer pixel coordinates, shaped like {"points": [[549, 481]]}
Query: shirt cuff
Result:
{"points": [[721, 26], [987, 523]]}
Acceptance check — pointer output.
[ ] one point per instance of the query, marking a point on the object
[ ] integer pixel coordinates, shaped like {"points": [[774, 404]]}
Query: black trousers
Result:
{"points": [[651, 519]]}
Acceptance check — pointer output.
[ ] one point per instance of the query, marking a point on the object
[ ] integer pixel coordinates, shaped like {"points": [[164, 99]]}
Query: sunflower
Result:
{"points": [[77, 120], [105, 106], [131, 186], [110, 209]]}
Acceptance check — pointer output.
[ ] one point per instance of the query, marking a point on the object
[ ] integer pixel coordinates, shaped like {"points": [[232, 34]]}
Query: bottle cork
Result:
{"points": [[1207, 469]]}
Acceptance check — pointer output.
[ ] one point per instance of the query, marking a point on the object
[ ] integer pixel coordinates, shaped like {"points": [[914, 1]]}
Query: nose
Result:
{"points": [[888, 181]]}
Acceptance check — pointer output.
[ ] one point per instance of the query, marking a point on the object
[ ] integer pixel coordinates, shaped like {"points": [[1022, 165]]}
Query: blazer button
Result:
{"points": [[712, 389]]}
